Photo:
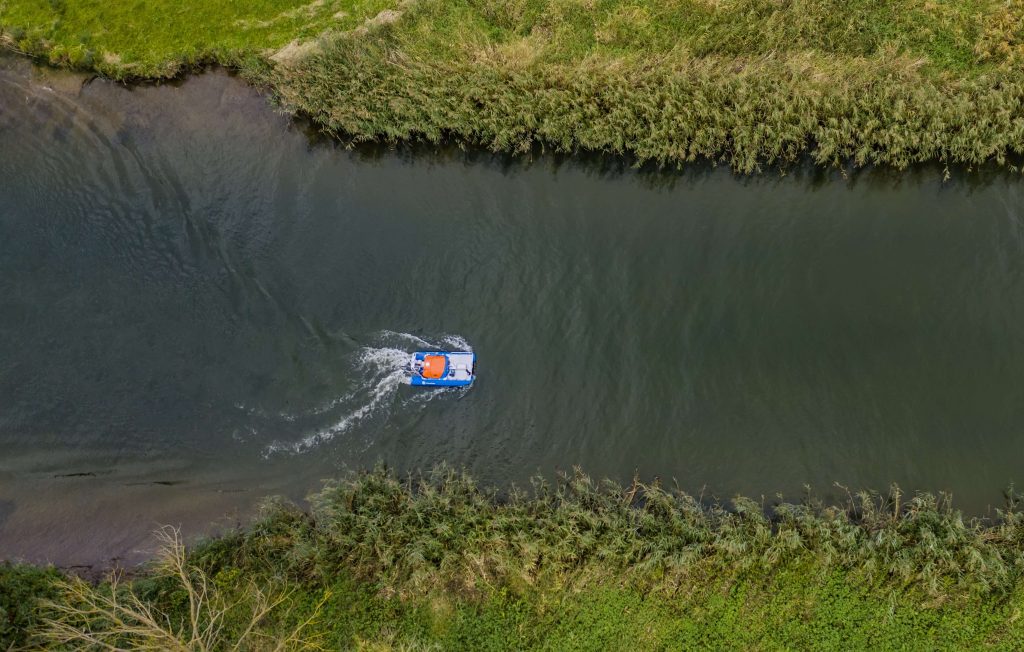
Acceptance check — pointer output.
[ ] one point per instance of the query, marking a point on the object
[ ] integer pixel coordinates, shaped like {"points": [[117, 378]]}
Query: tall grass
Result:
{"points": [[748, 83], [380, 561], [766, 94], [115, 617], [445, 530]]}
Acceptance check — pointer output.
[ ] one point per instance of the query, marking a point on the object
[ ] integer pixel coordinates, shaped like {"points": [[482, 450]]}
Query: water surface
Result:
{"points": [[200, 304]]}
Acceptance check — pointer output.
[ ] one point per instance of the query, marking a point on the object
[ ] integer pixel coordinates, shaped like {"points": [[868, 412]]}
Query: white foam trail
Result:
{"points": [[384, 389], [321, 409], [385, 368], [446, 342], [456, 343], [409, 336], [324, 408]]}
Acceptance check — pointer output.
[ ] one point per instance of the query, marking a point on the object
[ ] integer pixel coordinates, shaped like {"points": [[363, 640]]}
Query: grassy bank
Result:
{"points": [[439, 563], [746, 82]]}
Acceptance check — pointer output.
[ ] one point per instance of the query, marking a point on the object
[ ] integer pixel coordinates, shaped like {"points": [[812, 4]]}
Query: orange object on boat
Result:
{"points": [[433, 366]]}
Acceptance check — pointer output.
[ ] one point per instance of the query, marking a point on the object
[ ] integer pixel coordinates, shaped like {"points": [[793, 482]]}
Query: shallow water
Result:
{"points": [[201, 304]]}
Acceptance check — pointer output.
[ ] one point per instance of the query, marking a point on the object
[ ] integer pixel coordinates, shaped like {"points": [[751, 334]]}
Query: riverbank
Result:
{"points": [[382, 562], [747, 83]]}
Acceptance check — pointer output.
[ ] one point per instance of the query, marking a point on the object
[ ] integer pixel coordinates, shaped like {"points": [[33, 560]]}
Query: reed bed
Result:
{"points": [[445, 528], [750, 83], [379, 561], [747, 83], [770, 112]]}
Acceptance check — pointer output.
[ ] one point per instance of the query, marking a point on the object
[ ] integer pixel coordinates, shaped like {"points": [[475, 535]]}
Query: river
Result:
{"points": [[203, 303]]}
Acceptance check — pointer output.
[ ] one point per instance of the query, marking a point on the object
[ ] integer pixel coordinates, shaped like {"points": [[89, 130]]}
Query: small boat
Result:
{"points": [[442, 369]]}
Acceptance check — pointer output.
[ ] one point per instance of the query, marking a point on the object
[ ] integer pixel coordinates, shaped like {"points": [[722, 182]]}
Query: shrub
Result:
{"points": [[22, 588]]}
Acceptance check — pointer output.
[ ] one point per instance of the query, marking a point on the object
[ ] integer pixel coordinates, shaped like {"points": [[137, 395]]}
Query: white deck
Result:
{"points": [[460, 366]]}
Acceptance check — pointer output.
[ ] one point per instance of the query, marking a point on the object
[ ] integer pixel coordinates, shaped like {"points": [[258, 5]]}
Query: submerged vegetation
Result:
{"points": [[747, 82], [380, 562]]}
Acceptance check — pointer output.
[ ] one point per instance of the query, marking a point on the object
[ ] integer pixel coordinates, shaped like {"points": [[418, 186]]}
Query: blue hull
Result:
{"points": [[420, 381], [459, 369]]}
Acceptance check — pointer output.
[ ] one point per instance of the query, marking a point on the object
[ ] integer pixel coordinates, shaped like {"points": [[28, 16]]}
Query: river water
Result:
{"points": [[202, 304]]}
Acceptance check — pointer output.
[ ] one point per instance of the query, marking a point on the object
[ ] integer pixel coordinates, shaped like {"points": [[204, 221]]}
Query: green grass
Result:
{"points": [[20, 588], [749, 83], [792, 610], [158, 38], [381, 562], [151, 34]]}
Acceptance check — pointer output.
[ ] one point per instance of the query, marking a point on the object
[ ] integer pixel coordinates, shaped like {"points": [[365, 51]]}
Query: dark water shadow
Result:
{"points": [[655, 176], [596, 164]]}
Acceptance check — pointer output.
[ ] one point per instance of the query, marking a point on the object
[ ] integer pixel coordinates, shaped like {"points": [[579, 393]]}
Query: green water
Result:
{"points": [[201, 304]]}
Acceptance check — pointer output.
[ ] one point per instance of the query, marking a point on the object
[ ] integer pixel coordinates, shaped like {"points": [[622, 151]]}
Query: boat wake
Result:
{"points": [[381, 369]]}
